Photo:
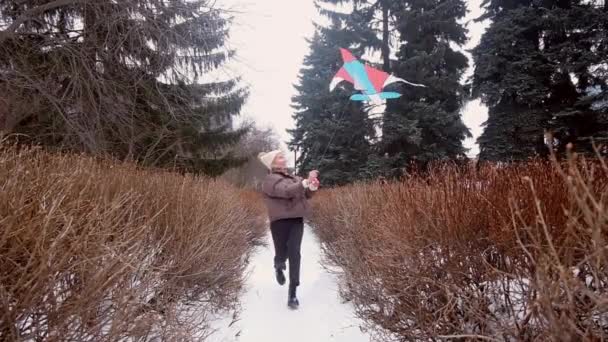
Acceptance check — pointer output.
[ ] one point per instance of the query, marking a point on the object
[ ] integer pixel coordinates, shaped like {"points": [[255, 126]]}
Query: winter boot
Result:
{"points": [[292, 301], [279, 268]]}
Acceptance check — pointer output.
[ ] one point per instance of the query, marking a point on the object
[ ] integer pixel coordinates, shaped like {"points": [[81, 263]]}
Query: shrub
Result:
{"points": [[93, 250], [510, 253]]}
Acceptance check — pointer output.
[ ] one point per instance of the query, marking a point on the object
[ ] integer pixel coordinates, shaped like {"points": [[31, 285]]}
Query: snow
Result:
{"points": [[322, 315]]}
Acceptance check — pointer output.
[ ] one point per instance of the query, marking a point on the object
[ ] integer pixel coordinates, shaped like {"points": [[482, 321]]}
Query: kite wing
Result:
{"points": [[377, 77], [340, 77], [381, 79]]}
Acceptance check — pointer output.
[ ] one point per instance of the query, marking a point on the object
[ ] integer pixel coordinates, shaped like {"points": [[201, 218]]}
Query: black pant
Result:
{"points": [[287, 238]]}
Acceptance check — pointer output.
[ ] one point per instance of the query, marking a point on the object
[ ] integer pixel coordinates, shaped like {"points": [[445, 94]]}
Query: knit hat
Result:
{"points": [[268, 157]]}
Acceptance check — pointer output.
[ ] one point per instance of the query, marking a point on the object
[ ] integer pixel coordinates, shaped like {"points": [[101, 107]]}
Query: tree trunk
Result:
{"points": [[386, 50]]}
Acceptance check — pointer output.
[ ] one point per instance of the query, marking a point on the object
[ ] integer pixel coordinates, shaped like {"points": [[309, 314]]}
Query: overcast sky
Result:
{"points": [[270, 39]]}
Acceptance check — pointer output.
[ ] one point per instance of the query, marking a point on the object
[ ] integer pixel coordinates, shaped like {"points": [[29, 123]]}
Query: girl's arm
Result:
{"points": [[278, 187]]}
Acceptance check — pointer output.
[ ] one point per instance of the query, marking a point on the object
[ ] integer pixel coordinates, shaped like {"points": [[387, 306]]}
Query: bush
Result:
{"points": [[93, 250], [510, 253]]}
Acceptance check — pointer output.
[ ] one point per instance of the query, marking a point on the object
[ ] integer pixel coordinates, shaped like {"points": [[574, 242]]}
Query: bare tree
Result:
{"points": [[256, 140]]}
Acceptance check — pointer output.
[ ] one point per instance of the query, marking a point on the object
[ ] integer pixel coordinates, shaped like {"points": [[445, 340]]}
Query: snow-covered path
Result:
{"points": [[265, 317]]}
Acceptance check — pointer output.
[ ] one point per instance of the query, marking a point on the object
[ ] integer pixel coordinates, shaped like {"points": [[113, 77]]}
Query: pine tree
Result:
{"points": [[332, 133], [537, 70], [121, 78], [514, 130], [575, 42], [425, 123], [368, 27], [370, 23]]}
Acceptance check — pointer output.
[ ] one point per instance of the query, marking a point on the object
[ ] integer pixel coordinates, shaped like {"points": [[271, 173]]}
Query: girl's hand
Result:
{"points": [[313, 174], [314, 184]]}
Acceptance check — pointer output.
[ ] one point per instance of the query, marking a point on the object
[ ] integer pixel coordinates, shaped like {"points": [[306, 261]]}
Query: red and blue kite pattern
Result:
{"points": [[366, 79]]}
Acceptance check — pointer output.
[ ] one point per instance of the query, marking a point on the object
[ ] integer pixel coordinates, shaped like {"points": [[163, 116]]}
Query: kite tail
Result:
{"points": [[366, 98], [389, 95], [360, 97]]}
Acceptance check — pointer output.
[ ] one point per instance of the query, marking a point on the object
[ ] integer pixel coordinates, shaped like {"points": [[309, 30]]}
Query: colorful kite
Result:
{"points": [[366, 79]]}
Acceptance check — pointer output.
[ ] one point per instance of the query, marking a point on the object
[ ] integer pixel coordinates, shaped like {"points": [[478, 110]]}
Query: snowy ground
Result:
{"points": [[265, 317]]}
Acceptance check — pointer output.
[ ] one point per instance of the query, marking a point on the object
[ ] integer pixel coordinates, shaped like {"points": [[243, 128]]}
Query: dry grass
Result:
{"points": [[97, 251], [516, 253]]}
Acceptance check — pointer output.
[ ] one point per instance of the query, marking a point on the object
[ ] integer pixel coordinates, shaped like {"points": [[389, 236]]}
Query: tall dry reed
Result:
{"points": [[510, 253], [92, 250]]}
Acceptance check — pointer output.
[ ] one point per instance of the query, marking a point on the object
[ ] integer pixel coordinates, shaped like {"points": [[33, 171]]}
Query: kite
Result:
{"points": [[366, 79]]}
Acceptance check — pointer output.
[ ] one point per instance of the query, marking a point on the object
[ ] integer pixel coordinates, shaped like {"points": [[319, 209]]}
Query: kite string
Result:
{"points": [[333, 134], [334, 131], [326, 147]]}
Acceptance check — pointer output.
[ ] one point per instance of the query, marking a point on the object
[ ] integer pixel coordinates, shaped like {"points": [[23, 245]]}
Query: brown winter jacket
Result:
{"points": [[285, 196]]}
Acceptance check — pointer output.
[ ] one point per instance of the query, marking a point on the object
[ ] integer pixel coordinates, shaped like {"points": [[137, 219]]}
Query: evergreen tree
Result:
{"points": [[425, 123], [369, 24], [121, 78], [539, 70], [332, 133]]}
